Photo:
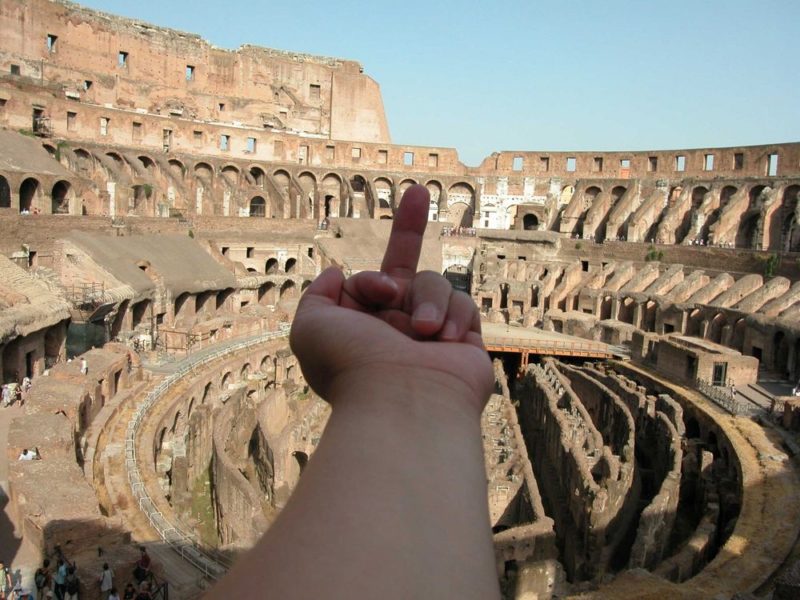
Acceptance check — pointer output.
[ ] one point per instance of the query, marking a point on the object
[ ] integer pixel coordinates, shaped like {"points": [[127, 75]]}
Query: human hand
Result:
{"points": [[393, 327]]}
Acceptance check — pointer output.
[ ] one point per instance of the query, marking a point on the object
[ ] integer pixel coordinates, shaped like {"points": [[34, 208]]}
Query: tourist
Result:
{"points": [[29, 455], [393, 502], [142, 569], [6, 395], [5, 581], [60, 579], [129, 593], [84, 366], [43, 579], [144, 591], [71, 584], [106, 579]]}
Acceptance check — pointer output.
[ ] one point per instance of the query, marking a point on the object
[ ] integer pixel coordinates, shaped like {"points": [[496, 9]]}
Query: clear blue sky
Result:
{"points": [[483, 76]]}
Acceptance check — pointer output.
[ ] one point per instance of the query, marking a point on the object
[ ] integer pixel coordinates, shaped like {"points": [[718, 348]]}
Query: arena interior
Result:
{"points": [[163, 205]]}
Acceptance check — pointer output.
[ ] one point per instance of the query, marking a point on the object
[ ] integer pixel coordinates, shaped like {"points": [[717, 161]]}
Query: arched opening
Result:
{"points": [[258, 207], [230, 174], [383, 189], [177, 169], [308, 183], [266, 293], [226, 380], [181, 305], [437, 197], [306, 283], [204, 173], [148, 164], [694, 325], [302, 460], [244, 373], [28, 194], [780, 354], [288, 291], [5, 193], [737, 341], [692, 428], [60, 198], [271, 267], [715, 328], [291, 264], [331, 192], [788, 238], [530, 222], [463, 195], [207, 392], [626, 310], [259, 176]]}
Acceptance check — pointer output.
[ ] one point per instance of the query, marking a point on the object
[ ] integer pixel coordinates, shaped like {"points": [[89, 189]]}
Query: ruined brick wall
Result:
{"points": [[135, 65]]}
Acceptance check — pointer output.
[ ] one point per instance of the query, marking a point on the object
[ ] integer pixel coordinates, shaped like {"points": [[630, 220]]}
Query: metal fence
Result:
{"points": [[724, 397], [184, 544]]}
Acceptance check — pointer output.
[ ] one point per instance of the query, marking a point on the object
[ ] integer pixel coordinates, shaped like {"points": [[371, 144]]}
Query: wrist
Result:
{"points": [[409, 391]]}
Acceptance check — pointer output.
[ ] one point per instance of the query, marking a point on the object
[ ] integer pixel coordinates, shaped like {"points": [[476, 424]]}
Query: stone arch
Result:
{"points": [[204, 172], [267, 294], [626, 310], [694, 324], [566, 194], [29, 194], [51, 150], [698, 193], [308, 182], [331, 196], [305, 284], [590, 194], [120, 164], [715, 328], [739, 330], [383, 189], [61, 195], [84, 162], [244, 372], [461, 204], [530, 222], [437, 197], [291, 265], [190, 409], [148, 164], [181, 305], [282, 179], [258, 207], [5, 193], [208, 389], [227, 378], [271, 266], [177, 169], [288, 290], [781, 346], [788, 219], [231, 173], [259, 176]]}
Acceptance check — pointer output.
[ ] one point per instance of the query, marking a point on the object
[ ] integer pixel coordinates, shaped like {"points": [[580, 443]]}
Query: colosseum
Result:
{"points": [[163, 205]]}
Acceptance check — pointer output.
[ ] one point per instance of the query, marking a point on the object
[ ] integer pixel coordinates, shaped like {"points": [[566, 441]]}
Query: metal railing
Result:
{"points": [[184, 544], [723, 396], [545, 344]]}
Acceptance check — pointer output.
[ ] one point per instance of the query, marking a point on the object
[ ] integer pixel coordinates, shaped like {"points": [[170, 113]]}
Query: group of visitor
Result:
{"points": [[13, 392]]}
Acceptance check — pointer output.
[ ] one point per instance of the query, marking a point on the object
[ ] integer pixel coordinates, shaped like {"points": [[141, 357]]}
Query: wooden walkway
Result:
{"points": [[529, 341]]}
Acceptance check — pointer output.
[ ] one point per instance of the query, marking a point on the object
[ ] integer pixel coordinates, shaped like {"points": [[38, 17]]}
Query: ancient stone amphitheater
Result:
{"points": [[163, 203]]}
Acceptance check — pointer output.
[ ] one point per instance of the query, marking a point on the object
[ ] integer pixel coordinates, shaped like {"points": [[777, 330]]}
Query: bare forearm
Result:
{"points": [[397, 492]]}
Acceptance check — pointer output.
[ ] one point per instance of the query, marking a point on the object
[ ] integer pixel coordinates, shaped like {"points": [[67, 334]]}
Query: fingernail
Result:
{"points": [[449, 331], [426, 311]]}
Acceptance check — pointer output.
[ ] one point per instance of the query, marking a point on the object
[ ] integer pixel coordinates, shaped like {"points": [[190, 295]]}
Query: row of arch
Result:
{"points": [[32, 196]]}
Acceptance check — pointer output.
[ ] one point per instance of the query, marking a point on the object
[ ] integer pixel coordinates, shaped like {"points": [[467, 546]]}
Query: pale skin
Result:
{"points": [[393, 502]]}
